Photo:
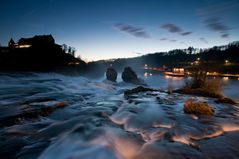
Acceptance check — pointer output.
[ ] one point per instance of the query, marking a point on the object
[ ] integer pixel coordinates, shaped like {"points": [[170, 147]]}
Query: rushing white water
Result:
{"points": [[55, 116]]}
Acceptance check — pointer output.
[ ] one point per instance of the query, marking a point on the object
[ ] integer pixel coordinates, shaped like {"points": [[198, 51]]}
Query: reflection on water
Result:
{"points": [[225, 78], [173, 78], [54, 116], [146, 74]]}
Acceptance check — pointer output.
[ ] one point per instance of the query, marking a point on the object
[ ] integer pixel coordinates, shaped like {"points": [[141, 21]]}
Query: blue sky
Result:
{"points": [[103, 29]]}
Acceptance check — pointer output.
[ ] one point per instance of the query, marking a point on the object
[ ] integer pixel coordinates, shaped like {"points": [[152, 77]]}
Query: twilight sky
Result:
{"points": [[103, 29]]}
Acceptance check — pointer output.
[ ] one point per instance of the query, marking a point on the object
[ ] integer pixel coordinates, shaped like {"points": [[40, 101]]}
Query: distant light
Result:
{"points": [[23, 46], [225, 78], [73, 63], [167, 76], [196, 62], [227, 62], [178, 70], [198, 59]]}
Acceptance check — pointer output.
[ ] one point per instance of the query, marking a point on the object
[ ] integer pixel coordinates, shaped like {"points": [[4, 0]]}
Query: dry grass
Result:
{"points": [[207, 88], [197, 108], [213, 86]]}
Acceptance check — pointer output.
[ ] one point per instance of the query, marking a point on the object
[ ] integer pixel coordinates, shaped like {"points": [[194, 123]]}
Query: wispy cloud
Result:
{"points": [[216, 24], [213, 16], [137, 53], [204, 40], [172, 28], [186, 33], [217, 8], [132, 30], [182, 42], [173, 40], [225, 35], [163, 39]]}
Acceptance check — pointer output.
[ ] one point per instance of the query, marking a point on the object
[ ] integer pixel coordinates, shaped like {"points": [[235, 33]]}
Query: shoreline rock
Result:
{"points": [[226, 100], [198, 91], [201, 92]]}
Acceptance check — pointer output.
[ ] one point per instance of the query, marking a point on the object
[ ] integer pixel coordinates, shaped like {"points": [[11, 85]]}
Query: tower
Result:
{"points": [[11, 43]]}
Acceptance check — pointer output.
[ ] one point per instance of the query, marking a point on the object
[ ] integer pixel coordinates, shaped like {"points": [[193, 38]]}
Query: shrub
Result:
{"points": [[198, 108], [213, 86]]}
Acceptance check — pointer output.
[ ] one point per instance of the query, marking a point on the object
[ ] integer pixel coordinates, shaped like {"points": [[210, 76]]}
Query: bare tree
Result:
{"points": [[64, 47]]}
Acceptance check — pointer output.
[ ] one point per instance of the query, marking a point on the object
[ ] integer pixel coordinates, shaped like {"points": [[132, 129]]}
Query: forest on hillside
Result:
{"points": [[223, 58]]}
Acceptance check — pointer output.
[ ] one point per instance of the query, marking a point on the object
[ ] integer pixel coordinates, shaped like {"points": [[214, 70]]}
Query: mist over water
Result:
{"points": [[50, 115]]}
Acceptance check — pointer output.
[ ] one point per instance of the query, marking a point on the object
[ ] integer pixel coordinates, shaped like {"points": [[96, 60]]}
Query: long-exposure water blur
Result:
{"points": [[119, 79], [48, 115]]}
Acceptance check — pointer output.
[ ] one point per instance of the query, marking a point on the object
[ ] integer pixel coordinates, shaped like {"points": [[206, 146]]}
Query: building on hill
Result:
{"points": [[11, 43], [38, 40]]}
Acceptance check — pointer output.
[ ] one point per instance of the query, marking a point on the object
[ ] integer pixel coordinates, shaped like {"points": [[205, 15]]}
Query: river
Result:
{"points": [[48, 115]]}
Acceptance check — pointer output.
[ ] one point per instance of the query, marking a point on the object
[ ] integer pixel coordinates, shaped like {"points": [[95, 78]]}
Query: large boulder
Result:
{"points": [[111, 74], [130, 76]]}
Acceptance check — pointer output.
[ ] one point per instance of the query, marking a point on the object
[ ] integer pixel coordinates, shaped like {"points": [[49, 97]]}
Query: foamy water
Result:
{"points": [[97, 121]]}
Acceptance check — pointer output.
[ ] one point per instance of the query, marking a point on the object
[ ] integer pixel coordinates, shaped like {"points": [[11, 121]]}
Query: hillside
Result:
{"points": [[220, 58], [36, 53]]}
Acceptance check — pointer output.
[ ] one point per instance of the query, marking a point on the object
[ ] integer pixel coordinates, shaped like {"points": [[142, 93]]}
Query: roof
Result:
{"points": [[38, 40]]}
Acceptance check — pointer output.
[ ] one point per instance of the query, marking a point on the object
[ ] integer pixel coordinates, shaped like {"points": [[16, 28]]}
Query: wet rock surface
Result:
{"points": [[95, 120], [130, 76], [31, 112], [111, 74], [138, 90], [226, 100]]}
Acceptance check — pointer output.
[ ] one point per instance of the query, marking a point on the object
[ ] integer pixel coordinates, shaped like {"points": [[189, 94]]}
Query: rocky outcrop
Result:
{"points": [[198, 91], [137, 90], [206, 93], [226, 100], [197, 107], [130, 76], [32, 112], [111, 74]]}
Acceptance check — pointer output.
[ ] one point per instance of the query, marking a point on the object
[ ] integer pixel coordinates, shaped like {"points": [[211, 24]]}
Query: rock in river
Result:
{"points": [[130, 76], [137, 90], [111, 74]]}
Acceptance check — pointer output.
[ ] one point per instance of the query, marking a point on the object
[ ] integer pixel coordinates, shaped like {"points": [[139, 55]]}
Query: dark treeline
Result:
{"points": [[219, 58], [40, 53]]}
